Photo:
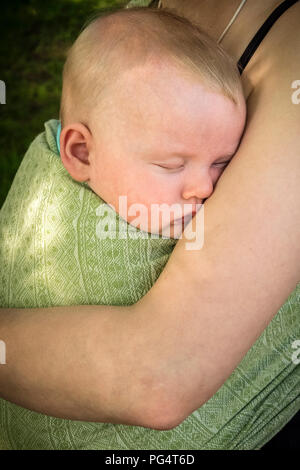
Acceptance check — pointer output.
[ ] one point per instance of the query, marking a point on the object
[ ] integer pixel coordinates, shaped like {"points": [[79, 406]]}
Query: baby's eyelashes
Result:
{"points": [[175, 168], [166, 167], [221, 164]]}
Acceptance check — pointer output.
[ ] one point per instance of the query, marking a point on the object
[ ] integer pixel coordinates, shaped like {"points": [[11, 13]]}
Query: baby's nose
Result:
{"points": [[199, 187]]}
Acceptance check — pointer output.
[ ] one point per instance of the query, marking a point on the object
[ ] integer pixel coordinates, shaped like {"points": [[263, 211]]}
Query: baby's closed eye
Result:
{"points": [[221, 164], [169, 167]]}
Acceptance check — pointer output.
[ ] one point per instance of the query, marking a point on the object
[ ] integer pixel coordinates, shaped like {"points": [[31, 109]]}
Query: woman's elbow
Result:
{"points": [[161, 417], [165, 412], [166, 417]]}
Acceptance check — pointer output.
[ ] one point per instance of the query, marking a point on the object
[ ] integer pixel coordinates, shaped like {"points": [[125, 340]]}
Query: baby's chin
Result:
{"points": [[167, 225], [171, 230]]}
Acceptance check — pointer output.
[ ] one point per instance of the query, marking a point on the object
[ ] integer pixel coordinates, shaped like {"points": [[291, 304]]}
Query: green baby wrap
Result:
{"points": [[52, 253]]}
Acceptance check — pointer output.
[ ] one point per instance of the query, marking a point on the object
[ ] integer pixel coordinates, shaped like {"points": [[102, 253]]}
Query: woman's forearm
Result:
{"points": [[80, 363]]}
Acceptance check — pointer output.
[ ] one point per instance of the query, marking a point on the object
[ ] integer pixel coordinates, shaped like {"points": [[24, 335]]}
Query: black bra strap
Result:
{"points": [[262, 32]]}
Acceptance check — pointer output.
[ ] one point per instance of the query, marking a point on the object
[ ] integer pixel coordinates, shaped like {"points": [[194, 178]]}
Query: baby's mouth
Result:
{"points": [[184, 220]]}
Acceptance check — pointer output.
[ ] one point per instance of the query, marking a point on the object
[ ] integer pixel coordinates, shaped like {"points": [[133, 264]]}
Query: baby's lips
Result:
{"points": [[184, 219], [198, 207]]}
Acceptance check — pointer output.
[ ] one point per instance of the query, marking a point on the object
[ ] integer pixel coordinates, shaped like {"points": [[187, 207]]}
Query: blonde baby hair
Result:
{"points": [[116, 41]]}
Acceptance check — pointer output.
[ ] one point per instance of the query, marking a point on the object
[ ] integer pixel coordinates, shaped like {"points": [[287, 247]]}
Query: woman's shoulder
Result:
{"points": [[277, 58]]}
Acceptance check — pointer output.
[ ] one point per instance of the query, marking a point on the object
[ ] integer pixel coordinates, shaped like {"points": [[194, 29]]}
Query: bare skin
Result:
{"points": [[184, 346]]}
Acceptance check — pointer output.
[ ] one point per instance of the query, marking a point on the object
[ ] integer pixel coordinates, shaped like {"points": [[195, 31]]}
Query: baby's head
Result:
{"points": [[152, 110]]}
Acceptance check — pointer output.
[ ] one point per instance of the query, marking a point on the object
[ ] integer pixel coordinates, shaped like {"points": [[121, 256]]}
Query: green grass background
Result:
{"points": [[35, 36]]}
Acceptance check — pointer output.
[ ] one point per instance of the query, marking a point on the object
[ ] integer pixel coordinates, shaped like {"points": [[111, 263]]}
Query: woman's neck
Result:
{"points": [[250, 19], [214, 15], [205, 12]]}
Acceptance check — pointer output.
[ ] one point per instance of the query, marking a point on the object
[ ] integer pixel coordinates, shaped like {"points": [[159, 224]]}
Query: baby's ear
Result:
{"points": [[75, 142]]}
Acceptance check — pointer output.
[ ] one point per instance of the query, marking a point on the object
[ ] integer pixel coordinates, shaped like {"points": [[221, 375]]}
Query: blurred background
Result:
{"points": [[35, 36]]}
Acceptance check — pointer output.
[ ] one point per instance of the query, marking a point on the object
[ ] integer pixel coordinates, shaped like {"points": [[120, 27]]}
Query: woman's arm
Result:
{"points": [[81, 363]]}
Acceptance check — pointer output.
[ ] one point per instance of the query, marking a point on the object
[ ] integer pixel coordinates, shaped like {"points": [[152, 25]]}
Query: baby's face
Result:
{"points": [[162, 139]]}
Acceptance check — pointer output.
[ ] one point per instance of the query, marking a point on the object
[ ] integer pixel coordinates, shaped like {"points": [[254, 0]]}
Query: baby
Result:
{"points": [[152, 111]]}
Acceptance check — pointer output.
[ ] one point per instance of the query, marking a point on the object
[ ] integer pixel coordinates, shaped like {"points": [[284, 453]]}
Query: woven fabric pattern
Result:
{"points": [[50, 254]]}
